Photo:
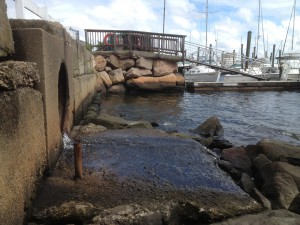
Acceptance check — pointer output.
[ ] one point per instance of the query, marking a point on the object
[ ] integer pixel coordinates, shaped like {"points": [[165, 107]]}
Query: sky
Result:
{"points": [[228, 21]]}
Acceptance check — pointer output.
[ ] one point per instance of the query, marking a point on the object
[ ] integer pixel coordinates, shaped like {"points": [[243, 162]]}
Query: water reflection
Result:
{"points": [[246, 116]]}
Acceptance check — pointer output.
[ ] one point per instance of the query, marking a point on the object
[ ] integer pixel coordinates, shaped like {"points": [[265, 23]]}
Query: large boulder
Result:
{"points": [[163, 67], [281, 190], [276, 150], [6, 39], [117, 89], [269, 217], [124, 64], [105, 78], [238, 157], [100, 63], [210, 128], [116, 76], [135, 72], [144, 63], [156, 83], [14, 74]]}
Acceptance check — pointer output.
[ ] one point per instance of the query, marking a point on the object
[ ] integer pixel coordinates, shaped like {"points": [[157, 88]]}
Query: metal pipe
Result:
{"points": [[78, 160]]}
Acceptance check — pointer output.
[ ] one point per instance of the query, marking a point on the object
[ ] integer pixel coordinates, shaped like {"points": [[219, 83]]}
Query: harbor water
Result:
{"points": [[247, 117]]}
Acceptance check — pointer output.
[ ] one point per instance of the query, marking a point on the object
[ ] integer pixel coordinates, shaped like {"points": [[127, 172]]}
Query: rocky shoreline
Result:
{"points": [[267, 172]]}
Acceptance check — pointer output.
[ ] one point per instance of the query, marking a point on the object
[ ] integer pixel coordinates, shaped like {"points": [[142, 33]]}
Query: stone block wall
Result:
{"points": [[22, 151], [6, 41]]}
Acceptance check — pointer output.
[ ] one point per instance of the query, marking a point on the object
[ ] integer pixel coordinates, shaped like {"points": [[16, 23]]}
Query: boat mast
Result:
{"points": [[258, 36], [206, 14], [292, 14], [293, 25]]}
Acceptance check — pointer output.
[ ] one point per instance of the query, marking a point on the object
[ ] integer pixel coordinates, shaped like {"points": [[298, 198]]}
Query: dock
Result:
{"points": [[244, 86]]}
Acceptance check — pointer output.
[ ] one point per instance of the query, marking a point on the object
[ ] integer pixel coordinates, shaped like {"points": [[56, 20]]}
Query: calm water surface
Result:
{"points": [[247, 117]]}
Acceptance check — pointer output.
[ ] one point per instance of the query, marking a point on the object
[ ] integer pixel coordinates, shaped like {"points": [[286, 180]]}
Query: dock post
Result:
{"points": [[273, 55], [248, 49], [78, 160], [242, 56]]}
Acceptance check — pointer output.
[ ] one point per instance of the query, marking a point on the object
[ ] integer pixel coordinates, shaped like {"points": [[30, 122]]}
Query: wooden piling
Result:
{"points": [[78, 159]]}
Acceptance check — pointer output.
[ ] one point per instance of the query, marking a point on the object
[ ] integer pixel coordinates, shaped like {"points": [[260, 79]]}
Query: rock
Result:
{"points": [[220, 143], [260, 162], [107, 69], [105, 78], [100, 63], [6, 38], [68, 211], [127, 215], [163, 67], [116, 122], [281, 190], [124, 64], [108, 121], [116, 76], [259, 197], [140, 124], [113, 61], [87, 129], [295, 205], [270, 217], [294, 171], [144, 63], [246, 183], [210, 128], [238, 157], [15, 74], [252, 151], [274, 149], [225, 165], [117, 89], [156, 83], [136, 72]]}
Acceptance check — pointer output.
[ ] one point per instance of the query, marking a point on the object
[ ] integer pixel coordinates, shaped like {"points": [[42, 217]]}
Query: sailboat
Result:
{"points": [[290, 61], [203, 73]]}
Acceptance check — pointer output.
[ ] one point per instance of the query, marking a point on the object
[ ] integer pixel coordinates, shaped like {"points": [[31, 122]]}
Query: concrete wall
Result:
{"points": [[61, 62], [32, 120], [22, 151], [6, 41]]}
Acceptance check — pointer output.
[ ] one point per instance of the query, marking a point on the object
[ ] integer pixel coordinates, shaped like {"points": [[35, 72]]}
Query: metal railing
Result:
{"points": [[114, 40]]}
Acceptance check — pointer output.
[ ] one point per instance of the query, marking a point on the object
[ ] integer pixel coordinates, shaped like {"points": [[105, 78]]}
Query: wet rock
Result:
{"points": [[117, 89], [220, 143], [108, 121], [281, 190], [295, 205], [225, 165], [68, 212], [171, 81], [238, 157], [274, 149], [210, 128], [272, 217], [83, 130], [127, 215], [140, 124], [15, 74], [259, 197], [247, 183], [252, 151]]}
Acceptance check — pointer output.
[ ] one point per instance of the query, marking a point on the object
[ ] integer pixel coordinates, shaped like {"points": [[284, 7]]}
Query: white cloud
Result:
{"points": [[228, 21]]}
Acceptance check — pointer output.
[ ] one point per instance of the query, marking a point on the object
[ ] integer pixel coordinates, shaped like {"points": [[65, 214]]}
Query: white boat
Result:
{"points": [[290, 66], [201, 73], [253, 72]]}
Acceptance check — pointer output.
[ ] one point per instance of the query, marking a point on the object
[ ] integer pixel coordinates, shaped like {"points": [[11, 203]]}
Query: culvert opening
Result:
{"points": [[63, 97]]}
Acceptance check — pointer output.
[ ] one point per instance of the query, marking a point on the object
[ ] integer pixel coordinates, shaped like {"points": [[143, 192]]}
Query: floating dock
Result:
{"points": [[243, 86]]}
